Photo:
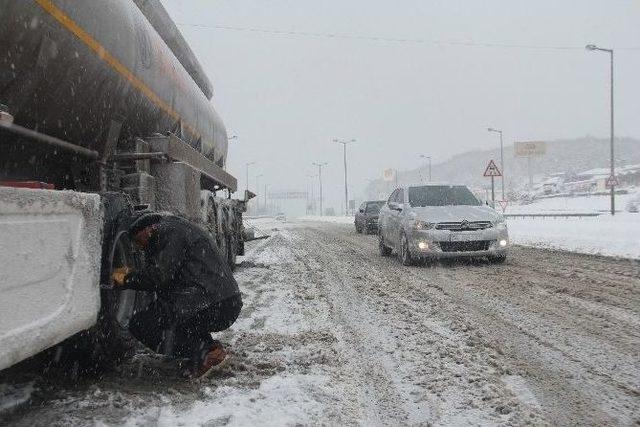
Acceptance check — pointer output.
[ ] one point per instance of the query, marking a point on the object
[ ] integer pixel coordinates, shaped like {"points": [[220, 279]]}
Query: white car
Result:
{"points": [[440, 221]]}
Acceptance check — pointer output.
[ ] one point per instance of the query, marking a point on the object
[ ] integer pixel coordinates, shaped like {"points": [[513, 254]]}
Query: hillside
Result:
{"points": [[569, 155]]}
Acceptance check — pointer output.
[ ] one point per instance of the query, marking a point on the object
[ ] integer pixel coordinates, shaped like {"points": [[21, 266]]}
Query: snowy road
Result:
{"points": [[333, 333]]}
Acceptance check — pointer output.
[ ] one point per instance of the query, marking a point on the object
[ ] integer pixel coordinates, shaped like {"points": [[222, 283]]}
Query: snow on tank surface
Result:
{"points": [[50, 247]]}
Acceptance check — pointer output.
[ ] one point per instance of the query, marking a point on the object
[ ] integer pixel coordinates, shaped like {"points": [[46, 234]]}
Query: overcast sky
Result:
{"points": [[288, 96]]}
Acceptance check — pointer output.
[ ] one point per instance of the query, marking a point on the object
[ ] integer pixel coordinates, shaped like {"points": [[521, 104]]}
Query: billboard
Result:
{"points": [[530, 148], [389, 175]]}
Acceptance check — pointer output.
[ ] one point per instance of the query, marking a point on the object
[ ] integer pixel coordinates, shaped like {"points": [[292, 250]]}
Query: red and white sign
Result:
{"points": [[503, 204], [492, 169], [612, 181]]}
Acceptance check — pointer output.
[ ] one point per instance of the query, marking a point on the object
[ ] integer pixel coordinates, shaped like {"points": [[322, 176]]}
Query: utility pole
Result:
{"points": [[501, 158], [612, 178], [427, 157], [344, 151], [320, 165]]}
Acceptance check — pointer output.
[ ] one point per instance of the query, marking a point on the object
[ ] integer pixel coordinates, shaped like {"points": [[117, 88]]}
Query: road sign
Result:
{"points": [[503, 204], [530, 148], [612, 181], [389, 175], [492, 169]]}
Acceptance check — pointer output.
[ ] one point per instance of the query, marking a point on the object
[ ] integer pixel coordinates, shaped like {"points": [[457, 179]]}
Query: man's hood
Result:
{"points": [[455, 213]]}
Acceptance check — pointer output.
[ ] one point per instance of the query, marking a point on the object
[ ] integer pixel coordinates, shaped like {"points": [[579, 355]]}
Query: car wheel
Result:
{"points": [[497, 259], [404, 253], [384, 249]]}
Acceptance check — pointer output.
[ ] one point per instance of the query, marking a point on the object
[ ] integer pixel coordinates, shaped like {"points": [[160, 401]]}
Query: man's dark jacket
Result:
{"points": [[182, 263]]}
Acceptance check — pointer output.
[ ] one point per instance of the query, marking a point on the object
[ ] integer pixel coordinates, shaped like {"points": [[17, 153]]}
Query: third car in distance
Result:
{"points": [[438, 221]]}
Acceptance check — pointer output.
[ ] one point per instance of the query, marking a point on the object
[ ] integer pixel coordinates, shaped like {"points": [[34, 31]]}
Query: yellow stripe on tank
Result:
{"points": [[107, 57]]}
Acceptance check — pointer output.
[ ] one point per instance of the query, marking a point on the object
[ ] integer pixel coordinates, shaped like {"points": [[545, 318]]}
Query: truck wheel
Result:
{"points": [[108, 342], [382, 248], [111, 341]]}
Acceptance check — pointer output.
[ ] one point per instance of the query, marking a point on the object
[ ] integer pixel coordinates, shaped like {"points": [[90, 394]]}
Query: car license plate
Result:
{"points": [[462, 237]]}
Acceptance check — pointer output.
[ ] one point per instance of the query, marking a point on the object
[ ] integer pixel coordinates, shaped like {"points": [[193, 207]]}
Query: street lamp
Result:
{"points": [[344, 151], [249, 164], [501, 158], [320, 165], [427, 157], [612, 180], [313, 199], [258, 190]]}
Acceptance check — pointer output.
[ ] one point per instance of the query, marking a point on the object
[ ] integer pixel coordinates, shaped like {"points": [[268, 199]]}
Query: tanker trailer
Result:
{"points": [[99, 117]]}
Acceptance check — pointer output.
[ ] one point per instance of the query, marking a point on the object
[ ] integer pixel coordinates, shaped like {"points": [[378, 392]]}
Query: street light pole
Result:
{"points": [[344, 151], [320, 165], [427, 157], [501, 158], [258, 190], [592, 47], [313, 199], [249, 164]]}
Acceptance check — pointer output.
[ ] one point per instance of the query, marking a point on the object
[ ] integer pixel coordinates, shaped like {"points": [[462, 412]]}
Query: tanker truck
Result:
{"points": [[104, 111]]}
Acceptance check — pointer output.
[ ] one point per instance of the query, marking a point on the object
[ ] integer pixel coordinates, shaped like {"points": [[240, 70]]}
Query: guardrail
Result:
{"points": [[553, 215]]}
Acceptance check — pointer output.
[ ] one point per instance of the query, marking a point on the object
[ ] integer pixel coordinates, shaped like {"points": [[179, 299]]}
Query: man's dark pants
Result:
{"points": [[180, 328]]}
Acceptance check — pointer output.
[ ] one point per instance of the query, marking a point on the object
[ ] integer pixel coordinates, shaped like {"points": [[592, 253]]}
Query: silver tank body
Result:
{"points": [[78, 69]]}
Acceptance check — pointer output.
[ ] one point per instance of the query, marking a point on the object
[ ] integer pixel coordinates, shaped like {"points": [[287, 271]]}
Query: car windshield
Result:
{"points": [[374, 207], [441, 195]]}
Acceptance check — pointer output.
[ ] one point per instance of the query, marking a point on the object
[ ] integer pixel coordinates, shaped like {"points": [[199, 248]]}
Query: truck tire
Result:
{"points": [[108, 342]]}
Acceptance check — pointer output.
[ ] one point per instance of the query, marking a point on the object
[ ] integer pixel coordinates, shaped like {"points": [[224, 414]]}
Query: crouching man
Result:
{"points": [[196, 291]]}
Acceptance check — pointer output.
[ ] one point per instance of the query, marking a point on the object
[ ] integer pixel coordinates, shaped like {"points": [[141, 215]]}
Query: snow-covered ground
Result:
{"points": [[605, 235], [333, 219], [331, 333]]}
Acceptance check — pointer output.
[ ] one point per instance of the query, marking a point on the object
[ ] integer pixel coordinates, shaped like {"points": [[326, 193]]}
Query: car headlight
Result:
{"points": [[422, 225]]}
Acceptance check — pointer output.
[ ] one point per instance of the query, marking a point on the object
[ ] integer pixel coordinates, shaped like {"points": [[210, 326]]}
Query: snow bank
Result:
{"points": [[333, 219], [603, 235]]}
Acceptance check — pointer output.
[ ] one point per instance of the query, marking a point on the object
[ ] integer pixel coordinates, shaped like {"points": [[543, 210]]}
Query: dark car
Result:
{"points": [[366, 220]]}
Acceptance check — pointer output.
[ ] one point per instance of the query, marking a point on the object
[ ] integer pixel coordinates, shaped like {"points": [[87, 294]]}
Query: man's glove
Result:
{"points": [[119, 275]]}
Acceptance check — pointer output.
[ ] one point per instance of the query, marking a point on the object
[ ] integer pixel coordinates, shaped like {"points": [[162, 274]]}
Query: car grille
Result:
{"points": [[476, 245], [463, 226]]}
